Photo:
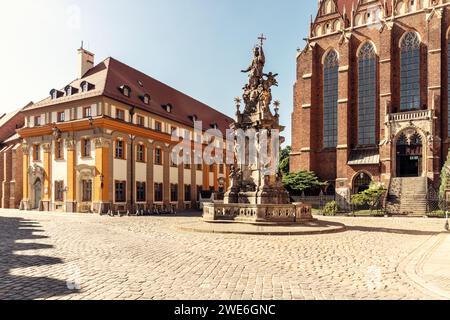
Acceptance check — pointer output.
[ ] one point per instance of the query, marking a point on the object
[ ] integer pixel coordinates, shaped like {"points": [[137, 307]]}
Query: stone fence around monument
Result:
{"points": [[258, 214]]}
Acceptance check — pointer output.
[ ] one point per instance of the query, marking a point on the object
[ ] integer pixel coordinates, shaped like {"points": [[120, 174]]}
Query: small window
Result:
{"points": [[140, 192], [87, 190], [158, 126], [59, 191], [199, 167], [120, 148], [172, 163], [120, 114], [61, 117], [140, 153], [120, 191], [174, 192], [59, 150], [199, 191], [146, 99], [140, 121], [85, 148], [69, 91], [187, 166], [187, 192], [87, 112], [126, 91], [85, 86], [168, 108], [37, 121], [158, 192], [158, 156], [37, 152]]}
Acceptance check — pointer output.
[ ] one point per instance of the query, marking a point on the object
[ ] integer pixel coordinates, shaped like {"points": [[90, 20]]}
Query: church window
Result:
{"points": [[367, 94], [330, 99], [410, 72]]}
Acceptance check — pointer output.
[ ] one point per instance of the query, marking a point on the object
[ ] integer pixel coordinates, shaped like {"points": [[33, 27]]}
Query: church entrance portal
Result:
{"points": [[409, 156]]}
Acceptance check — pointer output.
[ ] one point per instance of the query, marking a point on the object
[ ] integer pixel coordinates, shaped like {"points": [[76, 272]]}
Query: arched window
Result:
{"points": [[410, 72], [362, 182], [367, 94], [330, 99]]}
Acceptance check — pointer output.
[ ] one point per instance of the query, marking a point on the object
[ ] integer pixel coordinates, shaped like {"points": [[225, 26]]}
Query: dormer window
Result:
{"points": [[70, 90], [86, 86], [168, 107], [214, 126], [126, 91], [55, 94], [146, 99]]}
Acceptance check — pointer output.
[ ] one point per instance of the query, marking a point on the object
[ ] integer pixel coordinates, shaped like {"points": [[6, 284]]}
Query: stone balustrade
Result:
{"points": [[411, 116]]}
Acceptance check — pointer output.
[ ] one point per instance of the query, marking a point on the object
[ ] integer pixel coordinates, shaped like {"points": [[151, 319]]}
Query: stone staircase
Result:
{"points": [[407, 196]]}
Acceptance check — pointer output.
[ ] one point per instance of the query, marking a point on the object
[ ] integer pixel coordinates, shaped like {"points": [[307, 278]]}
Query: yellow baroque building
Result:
{"points": [[104, 143]]}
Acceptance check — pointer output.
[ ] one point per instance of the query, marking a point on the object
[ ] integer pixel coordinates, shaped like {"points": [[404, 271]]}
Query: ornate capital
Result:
{"points": [[102, 143], [26, 147], [70, 145], [47, 147]]}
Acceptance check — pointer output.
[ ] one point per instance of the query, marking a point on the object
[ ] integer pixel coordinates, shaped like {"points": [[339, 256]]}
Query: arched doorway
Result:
{"points": [[361, 182], [37, 193], [409, 155]]}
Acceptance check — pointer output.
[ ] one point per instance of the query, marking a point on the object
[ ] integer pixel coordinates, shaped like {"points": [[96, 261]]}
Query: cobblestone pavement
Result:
{"points": [[71, 256]]}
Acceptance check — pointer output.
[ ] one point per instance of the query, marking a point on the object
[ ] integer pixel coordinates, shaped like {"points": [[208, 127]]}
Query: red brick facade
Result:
{"points": [[11, 173], [345, 31]]}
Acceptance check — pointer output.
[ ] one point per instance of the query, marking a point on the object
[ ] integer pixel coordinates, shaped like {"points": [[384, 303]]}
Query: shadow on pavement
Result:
{"points": [[25, 287], [396, 231]]}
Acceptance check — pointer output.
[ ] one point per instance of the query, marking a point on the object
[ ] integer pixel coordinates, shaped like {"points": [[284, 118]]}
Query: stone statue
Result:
{"points": [[255, 70]]}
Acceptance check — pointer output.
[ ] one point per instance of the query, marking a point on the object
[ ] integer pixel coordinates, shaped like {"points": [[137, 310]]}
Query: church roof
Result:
{"points": [[108, 77], [364, 157], [349, 4]]}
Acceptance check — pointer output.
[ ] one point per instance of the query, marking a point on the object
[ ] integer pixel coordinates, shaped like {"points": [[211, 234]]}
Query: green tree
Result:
{"points": [[370, 196], [284, 160], [301, 181]]}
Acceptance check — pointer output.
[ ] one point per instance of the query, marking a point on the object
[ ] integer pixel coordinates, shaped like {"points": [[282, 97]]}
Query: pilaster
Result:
{"points": [[71, 196], [102, 202], [25, 203], [46, 199]]}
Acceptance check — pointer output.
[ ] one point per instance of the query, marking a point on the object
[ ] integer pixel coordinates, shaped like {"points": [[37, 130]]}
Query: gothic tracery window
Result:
{"points": [[367, 94], [410, 72], [330, 99]]}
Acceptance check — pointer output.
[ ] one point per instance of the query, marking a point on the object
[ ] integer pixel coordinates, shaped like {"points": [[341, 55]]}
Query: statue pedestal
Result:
{"points": [[25, 205]]}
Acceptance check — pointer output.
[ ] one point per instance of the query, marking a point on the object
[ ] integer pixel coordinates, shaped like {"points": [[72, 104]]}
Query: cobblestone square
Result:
{"points": [[75, 256]]}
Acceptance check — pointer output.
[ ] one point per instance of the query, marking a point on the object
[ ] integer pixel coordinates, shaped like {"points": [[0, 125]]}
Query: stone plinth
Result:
{"points": [[257, 214]]}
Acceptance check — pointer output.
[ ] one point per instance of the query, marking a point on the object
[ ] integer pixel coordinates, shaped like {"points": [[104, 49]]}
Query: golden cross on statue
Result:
{"points": [[262, 38]]}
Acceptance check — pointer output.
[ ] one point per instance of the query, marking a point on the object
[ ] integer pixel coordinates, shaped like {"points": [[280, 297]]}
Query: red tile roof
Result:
{"points": [[108, 76]]}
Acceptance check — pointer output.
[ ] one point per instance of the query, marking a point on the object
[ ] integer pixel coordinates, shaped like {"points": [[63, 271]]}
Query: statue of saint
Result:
{"points": [[255, 70]]}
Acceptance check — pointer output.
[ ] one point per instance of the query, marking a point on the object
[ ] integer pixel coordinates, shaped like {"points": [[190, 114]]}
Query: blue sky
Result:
{"points": [[196, 46]]}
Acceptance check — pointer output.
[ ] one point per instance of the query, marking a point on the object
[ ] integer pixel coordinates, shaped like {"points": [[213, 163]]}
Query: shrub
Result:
{"points": [[370, 196], [436, 214], [331, 208]]}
